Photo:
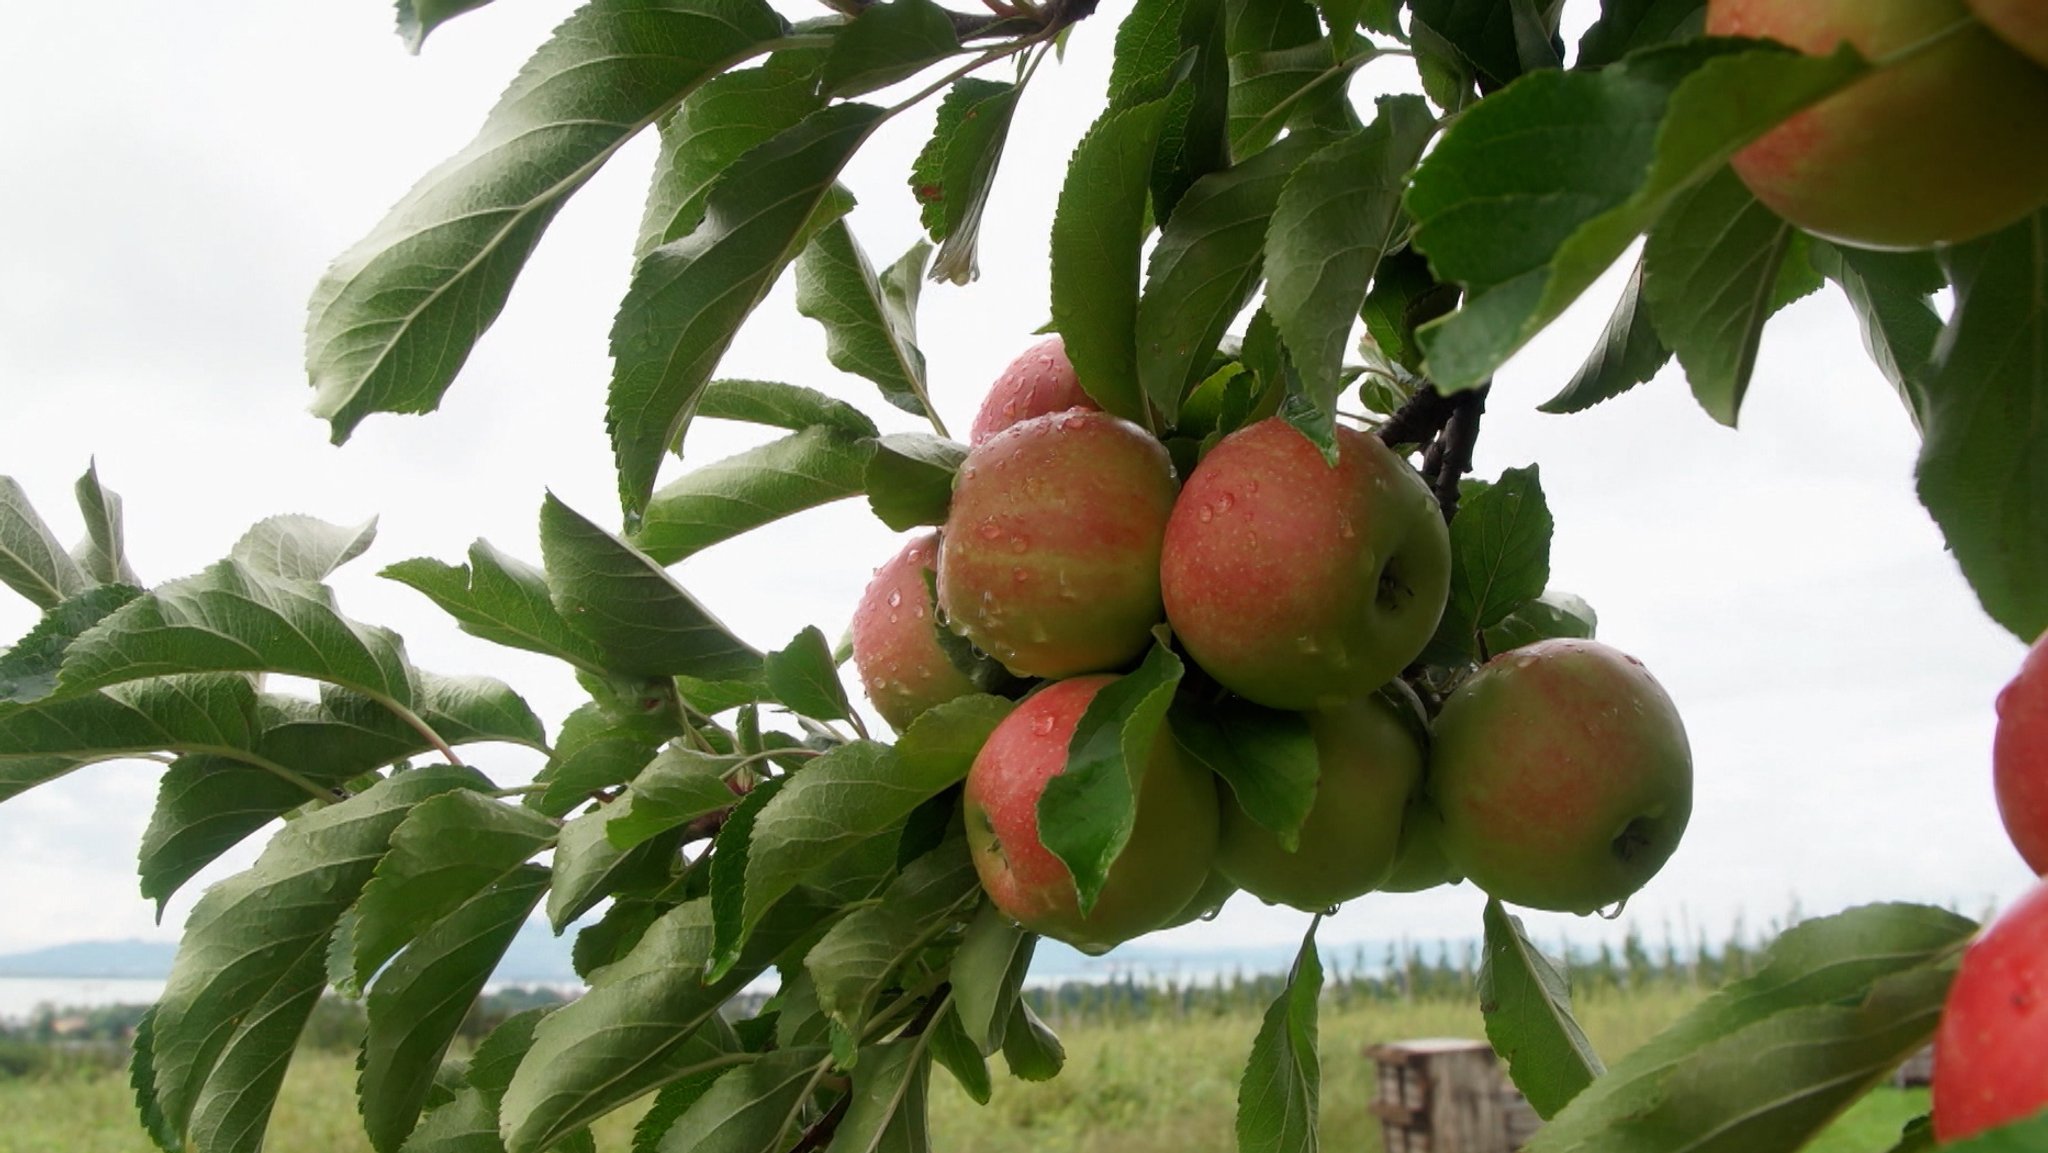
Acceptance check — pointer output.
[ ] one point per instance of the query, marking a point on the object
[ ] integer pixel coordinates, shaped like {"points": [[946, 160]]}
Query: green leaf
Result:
{"points": [[853, 963], [417, 18], [1147, 53], [418, 1002], [1500, 560], [2015, 1138], [1789, 1046], [1627, 25], [726, 117], [208, 802], [672, 1102], [1892, 293], [1031, 1050], [447, 851], [1716, 267], [909, 479], [1194, 140], [394, 317], [870, 322], [20, 774], [750, 1109], [1528, 1006], [689, 297], [1266, 756], [1278, 1099], [1337, 218], [952, 1048], [781, 406], [728, 877], [719, 501], [1629, 353], [597, 749], [641, 1025], [1983, 471], [1482, 35], [675, 788], [257, 941], [635, 614], [1538, 189], [1404, 294], [28, 671], [1085, 813], [988, 970], [1204, 269], [233, 1108], [103, 555], [953, 175], [885, 43], [589, 868], [207, 713], [32, 562], [1293, 87], [501, 599], [232, 618], [845, 797], [1554, 614], [301, 547], [805, 678], [889, 1090], [1097, 233]]}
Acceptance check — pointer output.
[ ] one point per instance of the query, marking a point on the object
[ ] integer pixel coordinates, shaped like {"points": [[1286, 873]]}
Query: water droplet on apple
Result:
{"points": [[1042, 726], [1204, 515], [895, 599], [1307, 645], [989, 530], [1344, 528], [969, 472], [1019, 576], [1224, 502], [1019, 543]]}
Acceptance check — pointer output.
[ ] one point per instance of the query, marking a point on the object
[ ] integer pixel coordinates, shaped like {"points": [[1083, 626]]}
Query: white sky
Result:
{"points": [[178, 175]]}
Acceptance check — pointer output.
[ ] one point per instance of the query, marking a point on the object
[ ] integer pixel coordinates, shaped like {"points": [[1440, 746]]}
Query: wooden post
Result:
{"points": [[1447, 1095]]}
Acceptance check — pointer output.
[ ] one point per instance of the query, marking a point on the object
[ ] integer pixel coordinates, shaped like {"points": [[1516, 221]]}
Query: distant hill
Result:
{"points": [[142, 960]]}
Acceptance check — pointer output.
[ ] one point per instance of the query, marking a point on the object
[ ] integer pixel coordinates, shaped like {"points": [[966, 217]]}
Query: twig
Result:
{"points": [[1454, 447], [1419, 420], [822, 1129]]}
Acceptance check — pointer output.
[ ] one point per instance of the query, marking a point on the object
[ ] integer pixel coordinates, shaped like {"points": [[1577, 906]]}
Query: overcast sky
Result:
{"points": [[178, 175]]}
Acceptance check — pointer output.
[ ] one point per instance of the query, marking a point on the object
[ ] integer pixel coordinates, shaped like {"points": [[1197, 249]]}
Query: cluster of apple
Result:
{"points": [[1991, 1053], [1941, 144], [1556, 776]]}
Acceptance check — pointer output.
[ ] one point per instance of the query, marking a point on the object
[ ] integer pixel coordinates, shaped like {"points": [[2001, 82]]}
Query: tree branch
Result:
{"points": [[1453, 449]]}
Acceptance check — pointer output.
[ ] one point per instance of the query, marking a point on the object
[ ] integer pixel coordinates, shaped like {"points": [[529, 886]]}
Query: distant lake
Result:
{"points": [[20, 996]]}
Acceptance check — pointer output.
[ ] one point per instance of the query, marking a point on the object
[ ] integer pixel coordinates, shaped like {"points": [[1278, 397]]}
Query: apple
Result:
{"points": [[1207, 901], [2023, 24], [1420, 864], [1368, 763], [1039, 382], [896, 643], [1164, 865], [1939, 146], [1050, 558], [1991, 1048], [2019, 758], [1297, 585], [1563, 776]]}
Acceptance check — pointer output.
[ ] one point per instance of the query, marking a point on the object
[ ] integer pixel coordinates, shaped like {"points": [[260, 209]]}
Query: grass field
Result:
{"points": [[1163, 1085]]}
